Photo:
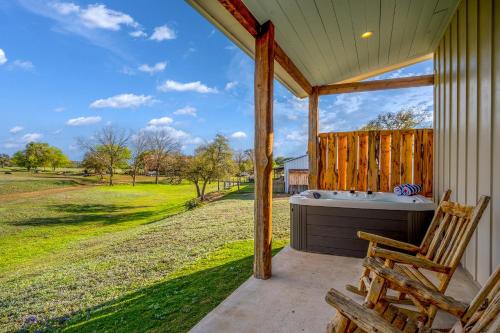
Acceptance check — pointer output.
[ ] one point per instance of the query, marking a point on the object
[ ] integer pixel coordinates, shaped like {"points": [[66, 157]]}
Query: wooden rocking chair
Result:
{"points": [[482, 315], [440, 252]]}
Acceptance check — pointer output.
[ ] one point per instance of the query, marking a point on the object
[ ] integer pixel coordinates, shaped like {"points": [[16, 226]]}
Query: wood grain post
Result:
{"points": [[264, 73], [312, 146]]}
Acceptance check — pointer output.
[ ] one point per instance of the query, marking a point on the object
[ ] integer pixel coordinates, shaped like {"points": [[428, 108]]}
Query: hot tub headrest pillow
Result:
{"points": [[407, 189]]}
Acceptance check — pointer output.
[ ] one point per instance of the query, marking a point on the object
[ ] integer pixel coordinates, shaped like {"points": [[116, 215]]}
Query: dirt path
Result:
{"points": [[23, 195]]}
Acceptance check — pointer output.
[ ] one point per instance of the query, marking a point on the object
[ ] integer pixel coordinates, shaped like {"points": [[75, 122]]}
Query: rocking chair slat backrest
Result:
{"points": [[453, 231], [488, 297], [426, 242], [470, 226]]}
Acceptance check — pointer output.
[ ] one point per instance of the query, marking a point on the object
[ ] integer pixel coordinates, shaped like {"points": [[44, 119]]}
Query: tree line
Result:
{"points": [[154, 153], [36, 155]]}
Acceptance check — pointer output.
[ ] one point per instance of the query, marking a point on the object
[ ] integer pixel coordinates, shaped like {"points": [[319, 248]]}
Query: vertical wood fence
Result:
{"points": [[376, 160]]}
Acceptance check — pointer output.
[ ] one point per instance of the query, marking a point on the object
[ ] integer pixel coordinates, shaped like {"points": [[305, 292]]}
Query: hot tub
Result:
{"points": [[327, 221]]}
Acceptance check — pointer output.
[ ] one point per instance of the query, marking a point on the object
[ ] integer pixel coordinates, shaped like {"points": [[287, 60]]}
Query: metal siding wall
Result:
{"points": [[495, 215], [467, 95]]}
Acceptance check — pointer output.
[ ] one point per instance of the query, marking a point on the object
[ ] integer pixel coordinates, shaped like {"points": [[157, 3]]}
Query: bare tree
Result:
{"points": [[139, 148], [251, 157], [109, 146], [160, 145], [240, 160], [405, 118]]}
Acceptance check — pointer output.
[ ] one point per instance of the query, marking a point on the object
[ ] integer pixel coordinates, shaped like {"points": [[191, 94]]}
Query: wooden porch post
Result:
{"points": [[313, 138], [264, 73]]}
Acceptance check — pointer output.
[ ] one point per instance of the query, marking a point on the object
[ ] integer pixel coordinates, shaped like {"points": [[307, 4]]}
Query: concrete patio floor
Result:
{"points": [[293, 300]]}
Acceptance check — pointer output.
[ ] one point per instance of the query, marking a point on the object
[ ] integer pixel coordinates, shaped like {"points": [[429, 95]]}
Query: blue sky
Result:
{"points": [[70, 68]]}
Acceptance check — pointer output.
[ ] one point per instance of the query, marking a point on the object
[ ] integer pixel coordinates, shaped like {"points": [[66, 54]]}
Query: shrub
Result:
{"points": [[193, 203]]}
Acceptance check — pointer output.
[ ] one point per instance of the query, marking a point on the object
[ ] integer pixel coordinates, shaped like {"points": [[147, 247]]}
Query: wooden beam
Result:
{"points": [[245, 17], [352, 87], [312, 146], [291, 69], [263, 85]]}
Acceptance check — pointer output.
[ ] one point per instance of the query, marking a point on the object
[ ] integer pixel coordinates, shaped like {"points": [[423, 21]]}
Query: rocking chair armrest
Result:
{"points": [[408, 259], [407, 285], [366, 319], [388, 242]]}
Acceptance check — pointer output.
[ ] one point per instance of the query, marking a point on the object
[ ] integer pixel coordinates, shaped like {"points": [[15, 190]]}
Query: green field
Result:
{"points": [[16, 184], [102, 258]]}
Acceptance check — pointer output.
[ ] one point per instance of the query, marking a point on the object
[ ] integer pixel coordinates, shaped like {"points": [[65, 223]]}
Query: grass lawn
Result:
{"points": [[32, 229], [106, 258], [10, 184]]}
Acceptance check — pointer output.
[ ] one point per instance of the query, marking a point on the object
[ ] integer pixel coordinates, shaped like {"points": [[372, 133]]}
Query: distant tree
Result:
{"points": [[4, 160], [92, 162], [251, 158], [279, 161], [109, 146], [404, 119], [56, 158], [241, 163], [160, 145], [175, 167], [34, 155], [19, 159], [210, 162], [139, 149]]}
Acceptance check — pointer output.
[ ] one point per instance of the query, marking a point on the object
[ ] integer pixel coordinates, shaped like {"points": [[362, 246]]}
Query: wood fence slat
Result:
{"points": [[373, 167], [323, 161], [428, 162], [333, 182], [363, 162], [407, 158], [418, 157], [385, 162], [342, 151], [395, 159], [352, 155], [376, 160]]}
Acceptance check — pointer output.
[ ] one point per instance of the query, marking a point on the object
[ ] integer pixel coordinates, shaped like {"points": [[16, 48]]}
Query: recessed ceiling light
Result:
{"points": [[367, 34]]}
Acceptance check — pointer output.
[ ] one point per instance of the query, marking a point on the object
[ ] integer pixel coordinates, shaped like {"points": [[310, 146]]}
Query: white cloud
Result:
{"points": [[31, 137], [163, 33], [123, 101], [297, 135], [96, 16], [138, 33], [160, 121], [230, 85], [82, 121], [59, 109], [3, 57], [65, 8], [24, 65], [194, 141], [349, 103], [239, 135], [174, 133], [197, 86], [158, 67], [16, 129], [187, 110]]}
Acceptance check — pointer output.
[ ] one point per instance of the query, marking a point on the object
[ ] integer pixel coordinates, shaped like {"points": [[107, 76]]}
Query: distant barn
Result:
{"points": [[296, 174]]}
